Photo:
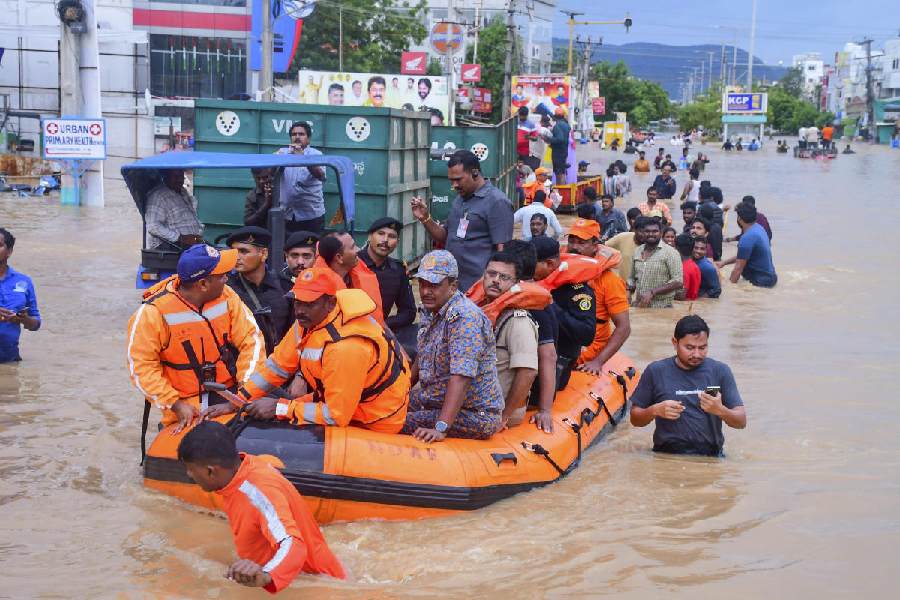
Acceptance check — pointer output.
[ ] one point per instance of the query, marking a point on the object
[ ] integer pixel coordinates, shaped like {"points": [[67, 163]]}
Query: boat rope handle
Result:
{"points": [[576, 427], [541, 451], [601, 405], [621, 381]]}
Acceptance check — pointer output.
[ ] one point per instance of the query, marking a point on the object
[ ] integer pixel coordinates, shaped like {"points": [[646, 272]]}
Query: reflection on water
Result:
{"points": [[805, 502]]}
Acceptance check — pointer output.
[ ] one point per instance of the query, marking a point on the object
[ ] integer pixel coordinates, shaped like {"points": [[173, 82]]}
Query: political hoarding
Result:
{"points": [[373, 89], [542, 94]]}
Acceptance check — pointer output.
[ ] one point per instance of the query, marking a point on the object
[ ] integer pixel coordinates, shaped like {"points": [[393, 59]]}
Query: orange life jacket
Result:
{"points": [[525, 295], [575, 268], [361, 278], [383, 401], [197, 341]]}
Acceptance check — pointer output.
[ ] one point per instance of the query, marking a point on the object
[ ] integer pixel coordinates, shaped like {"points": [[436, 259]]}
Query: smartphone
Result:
{"points": [[713, 390]]}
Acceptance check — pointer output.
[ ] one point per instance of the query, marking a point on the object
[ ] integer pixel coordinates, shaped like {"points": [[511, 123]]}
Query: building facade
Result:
{"points": [[812, 69]]}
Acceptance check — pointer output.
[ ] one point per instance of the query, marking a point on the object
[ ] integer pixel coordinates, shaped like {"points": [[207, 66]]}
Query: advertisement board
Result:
{"points": [[744, 103], [542, 94], [598, 106], [481, 100], [373, 89], [471, 73]]}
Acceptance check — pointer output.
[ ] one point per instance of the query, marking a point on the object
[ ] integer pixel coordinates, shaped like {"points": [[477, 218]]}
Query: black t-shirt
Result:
{"points": [[548, 328], [548, 333], [575, 308]]}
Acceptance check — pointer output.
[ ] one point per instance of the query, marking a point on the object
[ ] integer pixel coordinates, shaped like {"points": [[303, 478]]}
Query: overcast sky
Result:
{"points": [[783, 27]]}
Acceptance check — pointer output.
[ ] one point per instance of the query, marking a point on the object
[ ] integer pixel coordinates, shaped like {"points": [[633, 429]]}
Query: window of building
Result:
{"points": [[197, 67], [809, 67]]}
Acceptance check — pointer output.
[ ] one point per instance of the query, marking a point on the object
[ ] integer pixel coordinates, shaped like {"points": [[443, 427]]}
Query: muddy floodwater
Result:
{"points": [[807, 502]]}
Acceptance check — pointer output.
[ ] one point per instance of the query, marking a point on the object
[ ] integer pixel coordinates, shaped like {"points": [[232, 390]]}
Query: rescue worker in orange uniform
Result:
{"points": [[275, 534], [191, 329], [610, 295], [339, 253], [541, 175], [354, 369]]}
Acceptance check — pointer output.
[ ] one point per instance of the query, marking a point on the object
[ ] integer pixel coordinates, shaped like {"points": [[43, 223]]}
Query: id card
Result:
{"points": [[462, 227]]}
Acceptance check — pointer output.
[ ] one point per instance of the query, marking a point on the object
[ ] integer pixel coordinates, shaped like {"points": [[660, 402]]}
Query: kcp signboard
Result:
{"points": [[744, 103]]}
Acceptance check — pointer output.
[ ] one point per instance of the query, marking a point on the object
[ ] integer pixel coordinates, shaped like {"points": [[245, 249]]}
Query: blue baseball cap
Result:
{"points": [[437, 266], [200, 261]]}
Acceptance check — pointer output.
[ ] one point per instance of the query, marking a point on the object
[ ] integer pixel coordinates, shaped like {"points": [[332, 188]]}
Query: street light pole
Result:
{"points": [[752, 47], [627, 22]]}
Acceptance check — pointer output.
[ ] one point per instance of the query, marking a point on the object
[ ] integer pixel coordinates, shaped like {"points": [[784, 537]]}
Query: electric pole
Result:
{"points": [[752, 48], [870, 95], [507, 65], [722, 66], [709, 83], [702, 75], [265, 77]]}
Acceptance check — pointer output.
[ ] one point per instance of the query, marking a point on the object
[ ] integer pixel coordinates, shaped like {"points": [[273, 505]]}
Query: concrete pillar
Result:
{"points": [[79, 57]]}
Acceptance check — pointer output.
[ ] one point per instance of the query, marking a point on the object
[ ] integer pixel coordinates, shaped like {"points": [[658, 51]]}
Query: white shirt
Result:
{"points": [[524, 214]]}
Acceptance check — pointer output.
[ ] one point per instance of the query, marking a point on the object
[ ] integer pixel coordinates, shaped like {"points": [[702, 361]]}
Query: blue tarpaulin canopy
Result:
{"points": [[143, 175]]}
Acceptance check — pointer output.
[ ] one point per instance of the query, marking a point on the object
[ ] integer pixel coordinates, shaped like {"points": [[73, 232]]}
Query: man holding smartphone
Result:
{"points": [[18, 303], [688, 395]]}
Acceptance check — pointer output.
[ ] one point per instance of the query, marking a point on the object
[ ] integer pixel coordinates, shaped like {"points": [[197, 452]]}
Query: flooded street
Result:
{"points": [[806, 503]]}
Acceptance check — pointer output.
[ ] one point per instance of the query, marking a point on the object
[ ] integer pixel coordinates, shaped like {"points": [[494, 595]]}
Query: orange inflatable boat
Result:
{"points": [[349, 474]]}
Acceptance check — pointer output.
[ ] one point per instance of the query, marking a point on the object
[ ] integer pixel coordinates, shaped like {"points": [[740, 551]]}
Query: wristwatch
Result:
{"points": [[441, 427]]}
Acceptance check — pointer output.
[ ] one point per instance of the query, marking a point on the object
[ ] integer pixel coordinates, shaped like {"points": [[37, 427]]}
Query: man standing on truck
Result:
{"points": [[301, 188]]}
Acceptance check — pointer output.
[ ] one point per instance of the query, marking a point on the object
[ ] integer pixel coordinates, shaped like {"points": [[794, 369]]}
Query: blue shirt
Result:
{"points": [[754, 247], [300, 194], [695, 431], [16, 293], [709, 279]]}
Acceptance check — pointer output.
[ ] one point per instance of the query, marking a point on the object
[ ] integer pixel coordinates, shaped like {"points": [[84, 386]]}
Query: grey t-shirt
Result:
{"points": [[695, 431], [489, 214]]}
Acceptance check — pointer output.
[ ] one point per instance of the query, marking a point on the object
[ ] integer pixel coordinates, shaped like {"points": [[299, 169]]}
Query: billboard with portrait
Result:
{"points": [[413, 92], [542, 94]]}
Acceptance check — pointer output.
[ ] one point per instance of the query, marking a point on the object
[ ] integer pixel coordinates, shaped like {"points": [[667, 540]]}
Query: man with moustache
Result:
{"points": [[258, 286], [455, 391], [384, 235], [299, 253], [377, 88]]}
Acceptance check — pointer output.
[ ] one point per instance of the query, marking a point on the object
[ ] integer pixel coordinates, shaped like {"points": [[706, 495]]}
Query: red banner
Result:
{"points": [[413, 63], [470, 73]]}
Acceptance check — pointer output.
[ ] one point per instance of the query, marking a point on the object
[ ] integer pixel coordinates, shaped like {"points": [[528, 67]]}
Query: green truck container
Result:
{"points": [[389, 149], [495, 147]]}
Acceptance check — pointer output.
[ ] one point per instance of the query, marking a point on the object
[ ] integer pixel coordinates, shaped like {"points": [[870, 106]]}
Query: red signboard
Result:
{"points": [[413, 63], [598, 106], [471, 73]]}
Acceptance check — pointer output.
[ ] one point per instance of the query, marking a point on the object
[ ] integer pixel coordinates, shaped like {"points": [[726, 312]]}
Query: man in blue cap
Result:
{"points": [[458, 392], [258, 286], [192, 329]]}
